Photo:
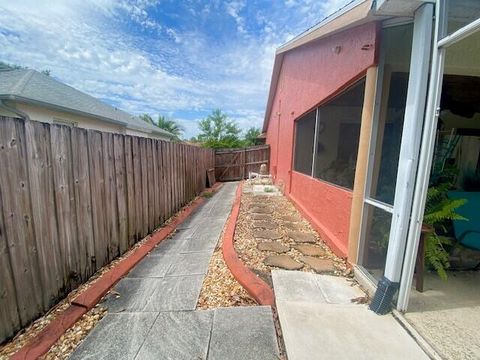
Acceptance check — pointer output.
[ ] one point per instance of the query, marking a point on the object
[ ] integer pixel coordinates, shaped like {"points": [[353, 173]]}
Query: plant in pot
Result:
{"points": [[440, 210]]}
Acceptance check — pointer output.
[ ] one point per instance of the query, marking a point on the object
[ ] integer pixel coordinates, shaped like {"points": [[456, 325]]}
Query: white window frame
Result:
{"points": [[441, 42]]}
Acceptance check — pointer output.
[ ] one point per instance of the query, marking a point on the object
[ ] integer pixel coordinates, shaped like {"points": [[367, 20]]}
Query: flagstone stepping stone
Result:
{"points": [[291, 226], [264, 225], [319, 265], [265, 217], [282, 261], [261, 210], [267, 234], [310, 250], [300, 237], [272, 246], [290, 218]]}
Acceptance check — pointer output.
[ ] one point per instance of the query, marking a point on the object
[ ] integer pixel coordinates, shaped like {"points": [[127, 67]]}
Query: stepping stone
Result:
{"points": [[291, 226], [290, 218], [310, 250], [264, 225], [282, 261], [272, 246], [300, 237], [267, 234], [319, 265], [264, 217], [261, 210]]}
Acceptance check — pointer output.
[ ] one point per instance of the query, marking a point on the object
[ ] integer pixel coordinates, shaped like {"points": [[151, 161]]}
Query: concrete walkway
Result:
{"points": [[319, 321], [151, 314]]}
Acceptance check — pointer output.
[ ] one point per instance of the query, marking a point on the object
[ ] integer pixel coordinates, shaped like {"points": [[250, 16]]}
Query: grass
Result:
{"points": [[268, 190], [207, 195]]}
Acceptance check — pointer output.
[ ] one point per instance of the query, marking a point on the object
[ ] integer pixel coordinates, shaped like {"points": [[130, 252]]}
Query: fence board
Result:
{"points": [[97, 190], [43, 210], [9, 318], [130, 183], [71, 200], [17, 221], [235, 164], [121, 191], [83, 205]]}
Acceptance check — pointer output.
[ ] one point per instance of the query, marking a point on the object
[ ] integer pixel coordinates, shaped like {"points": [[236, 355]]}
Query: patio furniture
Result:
{"points": [[467, 232]]}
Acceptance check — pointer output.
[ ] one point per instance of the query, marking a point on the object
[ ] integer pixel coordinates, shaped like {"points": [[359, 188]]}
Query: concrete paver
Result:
{"points": [[178, 335], [319, 321], [243, 333], [110, 339], [151, 313]]}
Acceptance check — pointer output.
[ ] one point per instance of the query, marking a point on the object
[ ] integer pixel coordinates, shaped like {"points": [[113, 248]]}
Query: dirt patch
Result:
{"points": [[285, 217]]}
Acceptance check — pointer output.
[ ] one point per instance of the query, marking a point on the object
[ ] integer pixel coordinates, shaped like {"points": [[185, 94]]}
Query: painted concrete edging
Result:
{"points": [[256, 287], [92, 295]]}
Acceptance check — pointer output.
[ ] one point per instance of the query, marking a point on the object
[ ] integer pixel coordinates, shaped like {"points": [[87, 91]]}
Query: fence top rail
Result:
{"points": [[233, 150]]}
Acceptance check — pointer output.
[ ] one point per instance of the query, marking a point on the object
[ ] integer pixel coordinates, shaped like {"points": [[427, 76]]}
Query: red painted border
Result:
{"points": [[90, 297], [256, 287]]}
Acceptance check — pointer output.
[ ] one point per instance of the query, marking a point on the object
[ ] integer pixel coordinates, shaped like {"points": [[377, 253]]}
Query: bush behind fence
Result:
{"points": [[72, 200]]}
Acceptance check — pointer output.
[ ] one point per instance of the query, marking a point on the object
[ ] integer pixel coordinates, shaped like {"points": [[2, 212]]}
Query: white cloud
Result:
{"points": [[84, 44]]}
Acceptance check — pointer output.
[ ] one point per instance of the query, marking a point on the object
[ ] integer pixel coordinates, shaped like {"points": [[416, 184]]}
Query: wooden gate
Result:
{"points": [[235, 164]]}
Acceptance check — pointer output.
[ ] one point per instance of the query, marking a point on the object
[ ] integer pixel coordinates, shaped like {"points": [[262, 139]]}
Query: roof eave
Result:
{"points": [[21, 99]]}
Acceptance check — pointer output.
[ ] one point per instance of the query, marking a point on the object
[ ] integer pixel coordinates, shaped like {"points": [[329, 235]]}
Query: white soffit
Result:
{"points": [[397, 7]]}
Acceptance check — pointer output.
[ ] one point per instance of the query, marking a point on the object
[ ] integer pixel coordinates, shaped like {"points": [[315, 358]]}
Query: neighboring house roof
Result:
{"points": [[33, 87], [355, 13]]}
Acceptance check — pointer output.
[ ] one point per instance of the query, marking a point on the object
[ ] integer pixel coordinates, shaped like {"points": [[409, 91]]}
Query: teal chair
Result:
{"points": [[467, 232]]}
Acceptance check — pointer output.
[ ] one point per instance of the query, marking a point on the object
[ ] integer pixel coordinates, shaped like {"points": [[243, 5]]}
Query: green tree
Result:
{"points": [[165, 123], [251, 136], [218, 131]]}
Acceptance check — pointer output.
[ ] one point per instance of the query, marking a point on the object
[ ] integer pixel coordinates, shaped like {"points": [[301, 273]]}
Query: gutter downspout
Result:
{"points": [[21, 114]]}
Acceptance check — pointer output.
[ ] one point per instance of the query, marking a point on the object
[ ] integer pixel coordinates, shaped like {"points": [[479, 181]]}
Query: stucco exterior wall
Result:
{"points": [[43, 114], [311, 75]]}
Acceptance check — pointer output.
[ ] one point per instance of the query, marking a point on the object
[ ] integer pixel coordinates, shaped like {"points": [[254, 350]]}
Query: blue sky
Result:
{"points": [[177, 58]]}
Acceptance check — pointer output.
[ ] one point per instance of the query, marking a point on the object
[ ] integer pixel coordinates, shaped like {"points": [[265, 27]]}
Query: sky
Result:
{"points": [[181, 59]]}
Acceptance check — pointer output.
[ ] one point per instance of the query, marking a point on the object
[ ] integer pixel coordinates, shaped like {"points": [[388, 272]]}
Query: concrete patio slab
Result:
{"points": [[303, 286], [243, 333], [189, 264], [178, 335], [329, 331], [204, 242], [110, 339], [319, 321], [155, 294], [151, 266]]}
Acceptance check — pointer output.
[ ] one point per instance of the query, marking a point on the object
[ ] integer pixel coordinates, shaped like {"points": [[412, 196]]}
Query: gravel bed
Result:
{"points": [[220, 289], [246, 244]]}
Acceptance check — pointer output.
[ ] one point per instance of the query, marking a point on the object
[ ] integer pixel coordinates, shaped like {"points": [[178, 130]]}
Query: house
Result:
{"points": [[32, 95], [364, 109]]}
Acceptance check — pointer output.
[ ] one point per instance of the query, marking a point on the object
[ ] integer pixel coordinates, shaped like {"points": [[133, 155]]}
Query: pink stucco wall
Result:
{"points": [[310, 75]]}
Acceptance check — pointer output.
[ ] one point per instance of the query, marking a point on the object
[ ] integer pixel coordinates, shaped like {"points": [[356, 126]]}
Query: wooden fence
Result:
{"points": [[72, 200], [235, 164]]}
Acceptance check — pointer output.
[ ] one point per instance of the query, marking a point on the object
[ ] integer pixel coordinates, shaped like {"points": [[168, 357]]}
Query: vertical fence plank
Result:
{"points": [[18, 228], [9, 318], [130, 184], [150, 185], [39, 164], [121, 191], [65, 202], [137, 174], [83, 204], [97, 191], [156, 184]]}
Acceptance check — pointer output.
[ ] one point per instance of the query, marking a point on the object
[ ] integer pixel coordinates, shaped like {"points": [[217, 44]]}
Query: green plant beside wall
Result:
{"points": [[439, 210]]}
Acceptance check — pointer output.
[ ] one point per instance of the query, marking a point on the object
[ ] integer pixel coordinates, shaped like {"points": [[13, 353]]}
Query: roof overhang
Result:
{"points": [[24, 100], [356, 13]]}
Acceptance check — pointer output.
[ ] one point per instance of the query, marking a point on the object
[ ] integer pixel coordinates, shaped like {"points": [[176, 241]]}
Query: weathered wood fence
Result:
{"points": [[72, 200], [235, 164]]}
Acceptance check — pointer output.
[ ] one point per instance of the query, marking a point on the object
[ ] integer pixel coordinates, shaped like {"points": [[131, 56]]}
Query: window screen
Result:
{"points": [[304, 137], [338, 134]]}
